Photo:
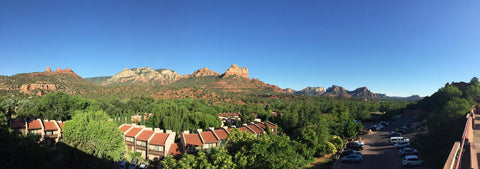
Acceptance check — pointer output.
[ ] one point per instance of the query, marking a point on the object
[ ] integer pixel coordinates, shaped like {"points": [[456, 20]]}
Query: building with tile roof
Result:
{"points": [[35, 127], [159, 144], [52, 131], [19, 125], [130, 136]]}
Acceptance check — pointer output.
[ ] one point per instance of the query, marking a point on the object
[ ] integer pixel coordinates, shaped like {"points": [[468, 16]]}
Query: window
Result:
{"points": [[142, 143], [130, 139], [156, 148], [48, 133]]}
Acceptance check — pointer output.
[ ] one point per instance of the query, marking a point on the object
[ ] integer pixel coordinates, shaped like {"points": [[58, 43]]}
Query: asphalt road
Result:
{"points": [[378, 153]]}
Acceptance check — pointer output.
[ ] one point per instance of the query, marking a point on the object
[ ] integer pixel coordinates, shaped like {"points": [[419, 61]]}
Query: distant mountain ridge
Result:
{"points": [[338, 91], [162, 83]]}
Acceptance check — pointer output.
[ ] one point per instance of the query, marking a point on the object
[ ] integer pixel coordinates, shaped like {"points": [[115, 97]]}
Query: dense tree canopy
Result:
{"points": [[92, 133]]}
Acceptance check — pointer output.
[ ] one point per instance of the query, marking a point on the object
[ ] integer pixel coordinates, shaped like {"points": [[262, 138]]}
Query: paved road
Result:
{"points": [[378, 154]]}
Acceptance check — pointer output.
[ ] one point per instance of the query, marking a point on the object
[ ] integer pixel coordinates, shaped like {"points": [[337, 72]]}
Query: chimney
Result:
{"points": [[168, 131], [199, 130], [186, 132], [211, 128]]}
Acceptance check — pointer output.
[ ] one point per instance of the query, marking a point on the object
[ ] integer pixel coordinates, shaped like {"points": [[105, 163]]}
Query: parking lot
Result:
{"points": [[378, 153]]}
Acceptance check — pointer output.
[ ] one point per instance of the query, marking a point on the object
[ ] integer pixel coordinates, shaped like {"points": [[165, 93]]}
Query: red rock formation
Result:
{"points": [[235, 70], [56, 72], [28, 88], [203, 72]]}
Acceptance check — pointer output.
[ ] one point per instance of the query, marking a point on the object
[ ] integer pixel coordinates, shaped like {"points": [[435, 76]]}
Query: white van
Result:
{"points": [[394, 140]]}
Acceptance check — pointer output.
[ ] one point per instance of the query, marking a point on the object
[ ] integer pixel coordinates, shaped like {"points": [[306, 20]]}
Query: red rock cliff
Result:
{"points": [[235, 70]]}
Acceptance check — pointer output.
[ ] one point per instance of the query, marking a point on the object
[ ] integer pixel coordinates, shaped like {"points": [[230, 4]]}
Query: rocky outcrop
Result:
{"points": [[39, 87], [234, 70], [362, 92], [288, 90], [336, 91], [143, 75], [49, 72], [314, 91], [203, 72]]}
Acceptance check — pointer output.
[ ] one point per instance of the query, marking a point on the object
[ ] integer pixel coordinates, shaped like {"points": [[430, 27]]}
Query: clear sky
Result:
{"points": [[395, 47]]}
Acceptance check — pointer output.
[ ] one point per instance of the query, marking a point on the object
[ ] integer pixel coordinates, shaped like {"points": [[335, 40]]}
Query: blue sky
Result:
{"points": [[395, 47]]}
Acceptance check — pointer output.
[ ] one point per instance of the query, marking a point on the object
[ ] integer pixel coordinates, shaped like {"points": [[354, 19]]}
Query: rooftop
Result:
{"points": [[133, 132], [175, 149], [243, 128], [221, 133], [125, 127], [159, 139], [255, 128], [61, 125], [34, 124], [192, 139], [145, 135], [208, 137], [18, 124], [50, 125]]}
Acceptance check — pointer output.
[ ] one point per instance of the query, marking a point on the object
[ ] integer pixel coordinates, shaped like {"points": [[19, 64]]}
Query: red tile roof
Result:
{"points": [[243, 128], [208, 137], [124, 128], [192, 139], [255, 128], [175, 149], [145, 135], [261, 125], [221, 133], [61, 125], [18, 124], [271, 125], [159, 139], [133, 132], [34, 124], [49, 125]]}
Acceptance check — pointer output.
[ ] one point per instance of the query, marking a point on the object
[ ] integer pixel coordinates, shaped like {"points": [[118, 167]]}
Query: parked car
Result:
{"points": [[355, 146], [395, 140], [352, 158], [348, 152], [401, 144], [373, 128], [385, 123], [380, 126], [408, 151], [123, 164], [359, 142], [411, 160], [133, 164], [142, 165], [394, 134]]}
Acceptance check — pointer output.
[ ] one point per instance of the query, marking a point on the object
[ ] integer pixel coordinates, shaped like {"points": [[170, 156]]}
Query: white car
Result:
{"points": [[401, 144], [408, 151], [411, 160], [359, 142]]}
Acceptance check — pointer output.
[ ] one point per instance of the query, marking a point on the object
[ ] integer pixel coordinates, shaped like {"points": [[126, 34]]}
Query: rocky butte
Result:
{"points": [[203, 72], [56, 72], [235, 70], [143, 75]]}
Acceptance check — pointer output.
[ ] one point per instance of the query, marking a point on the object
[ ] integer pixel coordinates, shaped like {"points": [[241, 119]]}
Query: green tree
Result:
{"points": [[92, 133]]}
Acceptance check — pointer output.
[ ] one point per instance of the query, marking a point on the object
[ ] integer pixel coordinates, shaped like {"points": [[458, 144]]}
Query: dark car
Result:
{"points": [[348, 152], [133, 163], [355, 146], [394, 134], [352, 158]]}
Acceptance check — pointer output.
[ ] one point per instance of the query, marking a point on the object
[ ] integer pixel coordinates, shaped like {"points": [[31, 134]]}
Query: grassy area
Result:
{"points": [[325, 162]]}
